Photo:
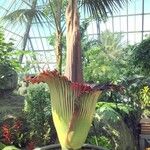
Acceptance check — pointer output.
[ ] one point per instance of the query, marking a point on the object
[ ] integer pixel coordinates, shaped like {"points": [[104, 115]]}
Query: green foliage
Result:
{"points": [[9, 55], [145, 97], [124, 108], [38, 96], [52, 41], [37, 108], [104, 61], [110, 123], [25, 15], [99, 140], [86, 44], [2, 145], [100, 9], [141, 56], [5, 50], [128, 52], [133, 86], [55, 10], [15, 131]]}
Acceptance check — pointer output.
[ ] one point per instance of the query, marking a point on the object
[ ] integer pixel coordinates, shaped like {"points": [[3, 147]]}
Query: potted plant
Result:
{"points": [[73, 105]]}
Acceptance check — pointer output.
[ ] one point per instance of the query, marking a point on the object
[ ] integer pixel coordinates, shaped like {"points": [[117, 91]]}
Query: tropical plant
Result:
{"points": [[9, 55], [84, 41], [116, 124], [104, 61], [8, 65], [99, 140], [37, 109], [7, 52], [73, 35], [145, 97], [133, 86], [97, 9], [141, 56], [52, 12], [25, 16], [15, 131], [55, 10], [130, 70], [2, 146], [73, 105], [62, 55]]}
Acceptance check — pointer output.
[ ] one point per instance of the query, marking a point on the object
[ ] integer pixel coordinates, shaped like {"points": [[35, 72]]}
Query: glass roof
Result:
{"points": [[37, 39], [132, 21]]}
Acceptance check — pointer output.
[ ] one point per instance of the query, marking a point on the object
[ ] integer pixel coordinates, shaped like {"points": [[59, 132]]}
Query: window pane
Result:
{"points": [[147, 22], [117, 23], [146, 6], [134, 38], [92, 28], [131, 7], [138, 6], [131, 23], [146, 34], [138, 23], [123, 24], [109, 24]]}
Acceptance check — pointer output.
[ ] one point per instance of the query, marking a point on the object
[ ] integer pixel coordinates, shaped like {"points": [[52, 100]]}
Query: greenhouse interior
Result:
{"points": [[74, 74]]}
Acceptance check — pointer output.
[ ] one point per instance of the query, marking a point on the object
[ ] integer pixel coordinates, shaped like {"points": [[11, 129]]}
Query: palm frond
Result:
{"points": [[17, 15], [101, 8], [24, 16]]}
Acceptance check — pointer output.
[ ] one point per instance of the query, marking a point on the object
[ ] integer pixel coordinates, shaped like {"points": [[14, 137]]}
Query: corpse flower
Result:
{"points": [[73, 106]]}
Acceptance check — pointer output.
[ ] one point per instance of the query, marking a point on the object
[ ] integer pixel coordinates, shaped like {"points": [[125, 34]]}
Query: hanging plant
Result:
{"points": [[73, 106]]}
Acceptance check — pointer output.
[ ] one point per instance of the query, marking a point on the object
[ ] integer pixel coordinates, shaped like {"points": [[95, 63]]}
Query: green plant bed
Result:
{"points": [[58, 147], [109, 128]]}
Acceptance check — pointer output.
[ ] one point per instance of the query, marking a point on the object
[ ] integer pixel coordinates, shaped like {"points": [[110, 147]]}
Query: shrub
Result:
{"points": [[7, 53], [104, 62], [99, 140], [14, 131], [141, 56], [145, 97], [2, 145], [145, 101], [38, 110], [110, 128]]}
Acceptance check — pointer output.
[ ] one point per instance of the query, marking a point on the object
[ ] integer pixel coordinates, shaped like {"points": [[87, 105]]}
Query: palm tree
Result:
{"points": [[54, 13], [98, 9], [55, 10], [25, 16]]}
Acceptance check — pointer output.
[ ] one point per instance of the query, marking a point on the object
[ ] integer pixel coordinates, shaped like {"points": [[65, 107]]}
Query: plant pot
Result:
{"points": [[145, 126], [58, 147]]}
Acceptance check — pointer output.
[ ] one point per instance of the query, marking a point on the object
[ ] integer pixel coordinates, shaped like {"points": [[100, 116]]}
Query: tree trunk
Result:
{"points": [[58, 51], [73, 68]]}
